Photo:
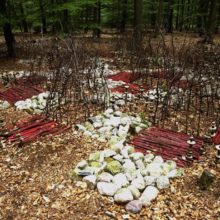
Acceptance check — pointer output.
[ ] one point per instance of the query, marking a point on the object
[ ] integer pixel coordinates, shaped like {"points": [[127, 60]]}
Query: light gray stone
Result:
{"points": [[91, 181], [120, 180], [108, 189], [134, 206], [105, 177], [97, 124], [123, 195], [140, 164], [148, 158], [150, 180], [163, 182], [154, 169], [128, 166], [149, 194], [139, 182], [137, 156], [124, 153], [109, 153], [119, 158], [135, 192], [158, 159], [82, 164]]}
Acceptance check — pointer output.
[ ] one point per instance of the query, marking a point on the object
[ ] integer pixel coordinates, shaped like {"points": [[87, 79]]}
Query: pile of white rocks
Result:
{"points": [[129, 177], [4, 104], [7, 76], [34, 105], [112, 126]]}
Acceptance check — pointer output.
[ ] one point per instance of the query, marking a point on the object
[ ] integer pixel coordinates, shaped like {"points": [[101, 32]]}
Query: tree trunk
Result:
{"points": [[43, 17], [159, 17], [9, 37], [201, 20], [138, 18], [182, 15], [123, 16], [170, 16], [65, 20], [23, 21], [212, 17], [178, 15], [97, 19]]}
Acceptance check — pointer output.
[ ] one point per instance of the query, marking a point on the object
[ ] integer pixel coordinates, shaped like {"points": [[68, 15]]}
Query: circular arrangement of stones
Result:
{"points": [[129, 177]]}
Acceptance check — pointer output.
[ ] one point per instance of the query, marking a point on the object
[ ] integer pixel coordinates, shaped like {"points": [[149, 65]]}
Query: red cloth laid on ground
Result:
{"points": [[125, 77], [169, 144]]}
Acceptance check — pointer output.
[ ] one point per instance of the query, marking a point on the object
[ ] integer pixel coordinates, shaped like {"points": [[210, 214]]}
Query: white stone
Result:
{"points": [[140, 165], [172, 174], [91, 180], [148, 158], [130, 149], [109, 153], [105, 177], [118, 114], [123, 130], [154, 169], [134, 206], [119, 158], [125, 121], [108, 189], [135, 192], [158, 159], [138, 129], [128, 166], [82, 164], [120, 180], [137, 156], [123, 195], [108, 111], [97, 124], [88, 133], [150, 180], [139, 182], [163, 182], [124, 153], [149, 194]]}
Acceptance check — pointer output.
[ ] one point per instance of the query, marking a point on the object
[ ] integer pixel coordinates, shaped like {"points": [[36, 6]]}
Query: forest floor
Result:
{"points": [[35, 182]]}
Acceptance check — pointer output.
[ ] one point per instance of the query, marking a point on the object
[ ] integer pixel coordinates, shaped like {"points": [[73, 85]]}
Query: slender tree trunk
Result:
{"points": [[43, 17], [202, 18], [23, 21], [138, 21], [211, 23], [178, 15], [170, 16], [159, 17], [97, 19], [9, 37], [65, 19], [182, 15], [124, 15]]}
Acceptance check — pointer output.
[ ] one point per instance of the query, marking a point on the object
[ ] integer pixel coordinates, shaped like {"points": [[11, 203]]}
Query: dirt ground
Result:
{"points": [[35, 182]]}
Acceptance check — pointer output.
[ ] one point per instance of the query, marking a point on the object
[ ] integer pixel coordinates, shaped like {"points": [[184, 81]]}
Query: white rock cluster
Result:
{"points": [[34, 105], [129, 177], [112, 126], [4, 104], [13, 75]]}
